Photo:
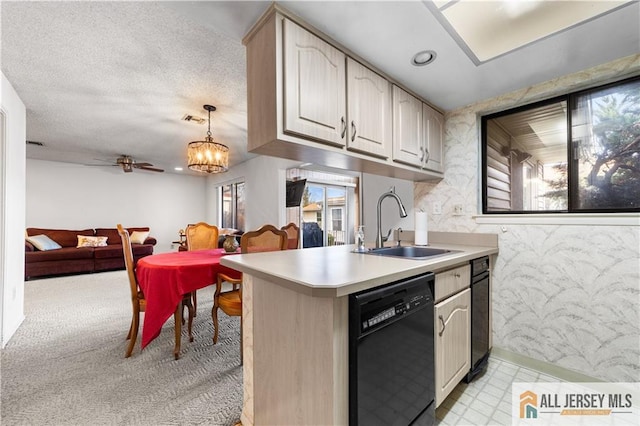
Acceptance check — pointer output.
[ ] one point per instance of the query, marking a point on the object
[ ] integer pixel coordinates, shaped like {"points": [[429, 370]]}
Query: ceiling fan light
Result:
{"points": [[208, 156]]}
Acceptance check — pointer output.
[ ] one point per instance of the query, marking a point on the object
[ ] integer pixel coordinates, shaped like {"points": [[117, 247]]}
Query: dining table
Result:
{"points": [[166, 277]]}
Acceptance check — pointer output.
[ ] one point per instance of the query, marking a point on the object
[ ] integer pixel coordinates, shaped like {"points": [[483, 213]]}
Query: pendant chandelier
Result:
{"points": [[208, 156]]}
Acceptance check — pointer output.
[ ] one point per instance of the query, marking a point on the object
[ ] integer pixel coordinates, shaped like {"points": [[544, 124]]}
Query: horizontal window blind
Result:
{"points": [[498, 171]]}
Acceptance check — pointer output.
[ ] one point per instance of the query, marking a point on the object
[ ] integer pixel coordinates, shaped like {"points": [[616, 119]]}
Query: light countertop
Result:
{"points": [[337, 271]]}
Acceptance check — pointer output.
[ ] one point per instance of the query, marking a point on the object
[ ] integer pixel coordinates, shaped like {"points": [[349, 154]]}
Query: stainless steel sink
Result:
{"points": [[411, 252]]}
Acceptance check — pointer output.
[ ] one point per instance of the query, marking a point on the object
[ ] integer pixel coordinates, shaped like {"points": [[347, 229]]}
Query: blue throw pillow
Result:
{"points": [[43, 243]]}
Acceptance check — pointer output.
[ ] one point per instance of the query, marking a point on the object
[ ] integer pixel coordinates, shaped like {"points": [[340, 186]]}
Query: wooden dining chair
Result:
{"points": [[138, 302], [267, 238], [201, 236], [293, 234]]}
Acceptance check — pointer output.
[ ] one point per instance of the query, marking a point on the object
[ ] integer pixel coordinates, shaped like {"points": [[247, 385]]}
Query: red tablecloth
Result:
{"points": [[165, 277]]}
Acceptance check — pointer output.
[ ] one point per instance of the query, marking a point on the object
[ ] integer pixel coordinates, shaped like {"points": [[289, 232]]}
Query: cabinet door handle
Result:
{"points": [[443, 325], [428, 155], [421, 154], [457, 275], [353, 131], [344, 127]]}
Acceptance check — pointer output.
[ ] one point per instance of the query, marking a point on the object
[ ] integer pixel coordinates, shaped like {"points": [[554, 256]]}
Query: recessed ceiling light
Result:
{"points": [[177, 169], [423, 58]]}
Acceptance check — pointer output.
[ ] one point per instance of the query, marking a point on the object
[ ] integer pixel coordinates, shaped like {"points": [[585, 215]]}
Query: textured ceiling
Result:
{"points": [[100, 79]]}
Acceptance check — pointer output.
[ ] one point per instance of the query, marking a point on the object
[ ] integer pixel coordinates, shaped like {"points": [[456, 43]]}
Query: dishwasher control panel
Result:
{"points": [[402, 304]]}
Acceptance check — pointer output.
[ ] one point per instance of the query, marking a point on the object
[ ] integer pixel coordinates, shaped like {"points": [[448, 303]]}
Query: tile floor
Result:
{"points": [[487, 399]]}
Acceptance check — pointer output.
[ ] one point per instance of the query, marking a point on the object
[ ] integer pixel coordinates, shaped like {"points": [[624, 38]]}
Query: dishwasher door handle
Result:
{"points": [[443, 325]]}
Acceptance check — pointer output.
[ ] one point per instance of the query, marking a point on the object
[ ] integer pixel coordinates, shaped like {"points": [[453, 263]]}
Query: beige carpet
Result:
{"points": [[66, 366]]}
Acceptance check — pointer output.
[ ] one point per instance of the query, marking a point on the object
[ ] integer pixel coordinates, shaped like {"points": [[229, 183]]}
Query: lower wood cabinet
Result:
{"points": [[452, 322]]}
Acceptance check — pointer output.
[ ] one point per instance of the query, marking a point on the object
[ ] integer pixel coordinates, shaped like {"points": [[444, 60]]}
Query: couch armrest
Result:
{"points": [[28, 246], [150, 240]]}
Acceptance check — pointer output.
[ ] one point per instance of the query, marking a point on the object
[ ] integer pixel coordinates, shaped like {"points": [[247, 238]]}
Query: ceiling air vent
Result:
{"points": [[35, 143], [189, 117]]}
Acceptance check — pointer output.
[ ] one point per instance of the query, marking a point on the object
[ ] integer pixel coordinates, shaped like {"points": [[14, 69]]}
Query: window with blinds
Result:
{"points": [[578, 152]]}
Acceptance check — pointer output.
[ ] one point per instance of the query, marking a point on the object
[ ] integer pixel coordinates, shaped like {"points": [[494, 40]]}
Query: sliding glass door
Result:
{"points": [[327, 215]]}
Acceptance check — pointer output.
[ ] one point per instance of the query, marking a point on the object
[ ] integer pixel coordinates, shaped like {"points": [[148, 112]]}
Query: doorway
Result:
{"points": [[327, 213]]}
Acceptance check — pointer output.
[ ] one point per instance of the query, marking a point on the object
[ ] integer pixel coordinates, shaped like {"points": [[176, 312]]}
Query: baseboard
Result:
{"points": [[9, 333], [543, 366]]}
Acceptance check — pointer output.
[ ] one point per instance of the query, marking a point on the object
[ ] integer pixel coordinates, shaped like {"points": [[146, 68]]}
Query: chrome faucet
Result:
{"points": [[403, 213]]}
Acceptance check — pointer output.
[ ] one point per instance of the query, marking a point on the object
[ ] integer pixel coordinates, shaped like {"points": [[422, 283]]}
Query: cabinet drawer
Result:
{"points": [[452, 281]]}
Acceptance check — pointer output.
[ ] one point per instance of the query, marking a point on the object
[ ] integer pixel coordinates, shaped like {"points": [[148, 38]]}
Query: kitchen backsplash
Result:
{"points": [[564, 294]]}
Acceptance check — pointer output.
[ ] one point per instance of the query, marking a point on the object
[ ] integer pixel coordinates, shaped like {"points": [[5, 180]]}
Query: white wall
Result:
{"points": [[563, 294], [73, 196], [372, 188], [265, 193], [12, 181]]}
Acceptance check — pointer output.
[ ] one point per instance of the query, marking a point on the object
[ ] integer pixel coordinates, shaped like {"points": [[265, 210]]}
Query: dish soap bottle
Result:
{"points": [[360, 240]]}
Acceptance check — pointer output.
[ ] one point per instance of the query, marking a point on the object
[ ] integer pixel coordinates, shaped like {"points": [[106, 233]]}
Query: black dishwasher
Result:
{"points": [[391, 364]]}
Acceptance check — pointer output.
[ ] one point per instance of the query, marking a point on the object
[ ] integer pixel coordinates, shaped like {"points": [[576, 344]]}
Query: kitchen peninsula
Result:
{"points": [[295, 322]]}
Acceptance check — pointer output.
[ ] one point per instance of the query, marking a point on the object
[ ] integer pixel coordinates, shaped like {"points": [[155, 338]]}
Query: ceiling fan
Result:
{"points": [[127, 163]]}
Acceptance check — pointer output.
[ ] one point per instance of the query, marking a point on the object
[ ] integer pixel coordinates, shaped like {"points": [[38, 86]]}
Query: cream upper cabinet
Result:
{"points": [[368, 111], [407, 128], [452, 323], [314, 87], [433, 138], [310, 100]]}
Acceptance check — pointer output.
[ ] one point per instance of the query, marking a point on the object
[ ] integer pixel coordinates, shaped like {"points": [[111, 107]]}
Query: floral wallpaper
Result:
{"points": [[563, 294]]}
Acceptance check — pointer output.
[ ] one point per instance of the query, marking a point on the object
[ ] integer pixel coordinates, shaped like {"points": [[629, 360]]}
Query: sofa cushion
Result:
{"points": [[141, 249], [116, 251], [64, 237], [65, 253], [111, 233], [87, 241], [111, 250], [113, 236], [43, 243]]}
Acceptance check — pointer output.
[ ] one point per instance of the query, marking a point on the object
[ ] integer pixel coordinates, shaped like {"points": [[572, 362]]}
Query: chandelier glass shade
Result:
{"points": [[208, 156]]}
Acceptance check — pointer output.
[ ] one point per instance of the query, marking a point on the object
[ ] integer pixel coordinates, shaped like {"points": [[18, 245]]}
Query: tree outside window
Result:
{"points": [[606, 138]]}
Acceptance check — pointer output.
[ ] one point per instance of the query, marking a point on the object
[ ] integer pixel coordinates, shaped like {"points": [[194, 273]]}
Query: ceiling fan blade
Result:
{"points": [[151, 169], [142, 165], [100, 165], [105, 161]]}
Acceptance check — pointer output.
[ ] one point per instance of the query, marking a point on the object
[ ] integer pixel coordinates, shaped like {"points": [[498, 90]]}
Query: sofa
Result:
{"points": [[71, 259]]}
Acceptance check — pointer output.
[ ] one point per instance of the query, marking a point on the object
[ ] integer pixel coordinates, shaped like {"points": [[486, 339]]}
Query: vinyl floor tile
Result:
{"points": [[487, 399]]}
